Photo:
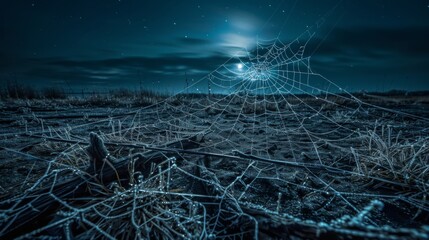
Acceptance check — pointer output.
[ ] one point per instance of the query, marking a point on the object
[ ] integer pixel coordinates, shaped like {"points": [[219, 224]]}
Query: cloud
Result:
{"points": [[188, 41], [236, 44], [117, 71], [194, 47], [373, 47], [245, 22], [360, 53], [143, 63], [180, 42]]}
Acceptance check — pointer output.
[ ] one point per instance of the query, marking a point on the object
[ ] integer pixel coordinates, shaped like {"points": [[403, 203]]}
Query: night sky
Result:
{"points": [[373, 45]]}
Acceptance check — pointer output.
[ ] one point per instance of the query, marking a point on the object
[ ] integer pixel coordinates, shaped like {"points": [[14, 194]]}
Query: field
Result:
{"points": [[194, 166]]}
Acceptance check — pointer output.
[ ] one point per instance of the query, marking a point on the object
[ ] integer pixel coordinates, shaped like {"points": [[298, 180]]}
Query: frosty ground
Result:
{"points": [[263, 166]]}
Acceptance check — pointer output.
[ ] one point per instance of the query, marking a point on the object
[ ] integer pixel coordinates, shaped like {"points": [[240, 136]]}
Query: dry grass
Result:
{"points": [[390, 158]]}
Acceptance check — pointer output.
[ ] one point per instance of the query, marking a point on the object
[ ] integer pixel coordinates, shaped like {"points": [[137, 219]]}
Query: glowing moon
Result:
{"points": [[240, 66]]}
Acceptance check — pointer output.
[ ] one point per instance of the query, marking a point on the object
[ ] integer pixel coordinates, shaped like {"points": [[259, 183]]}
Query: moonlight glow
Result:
{"points": [[240, 66]]}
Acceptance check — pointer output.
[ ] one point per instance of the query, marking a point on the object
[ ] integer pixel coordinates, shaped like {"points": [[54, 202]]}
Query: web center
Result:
{"points": [[259, 72]]}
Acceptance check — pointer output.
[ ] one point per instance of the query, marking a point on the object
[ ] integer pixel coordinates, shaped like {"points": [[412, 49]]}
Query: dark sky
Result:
{"points": [[374, 45]]}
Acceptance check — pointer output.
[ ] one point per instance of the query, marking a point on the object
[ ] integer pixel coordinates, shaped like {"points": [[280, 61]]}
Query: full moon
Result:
{"points": [[240, 66]]}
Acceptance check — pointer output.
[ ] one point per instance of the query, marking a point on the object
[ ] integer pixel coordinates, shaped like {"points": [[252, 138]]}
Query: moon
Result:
{"points": [[240, 66]]}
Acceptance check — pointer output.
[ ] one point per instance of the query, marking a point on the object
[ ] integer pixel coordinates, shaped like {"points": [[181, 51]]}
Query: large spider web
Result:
{"points": [[274, 138]]}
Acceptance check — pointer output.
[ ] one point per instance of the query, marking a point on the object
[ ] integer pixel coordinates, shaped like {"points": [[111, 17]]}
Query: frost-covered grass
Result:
{"points": [[301, 167], [394, 158]]}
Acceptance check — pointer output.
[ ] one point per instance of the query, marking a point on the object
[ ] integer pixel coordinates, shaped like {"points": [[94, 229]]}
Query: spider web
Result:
{"points": [[275, 139]]}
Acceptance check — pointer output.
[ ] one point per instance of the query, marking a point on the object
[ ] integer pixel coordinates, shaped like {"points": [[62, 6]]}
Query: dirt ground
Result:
{"points": [[344, 168]]}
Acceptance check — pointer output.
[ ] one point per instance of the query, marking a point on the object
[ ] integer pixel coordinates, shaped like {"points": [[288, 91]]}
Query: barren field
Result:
{"points": [[219, 166]]}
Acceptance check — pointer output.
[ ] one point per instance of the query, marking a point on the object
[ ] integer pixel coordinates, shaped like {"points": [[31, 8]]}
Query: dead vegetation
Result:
{"points": [[197, 167], [388, 156]]}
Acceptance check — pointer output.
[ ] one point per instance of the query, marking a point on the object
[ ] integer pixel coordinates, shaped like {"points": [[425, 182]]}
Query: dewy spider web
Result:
{"points": [[281, 144]]}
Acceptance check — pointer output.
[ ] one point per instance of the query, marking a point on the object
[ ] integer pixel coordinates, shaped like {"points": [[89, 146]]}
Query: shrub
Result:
{"points": [[16, 90], [53, 93], [122, 93]]}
